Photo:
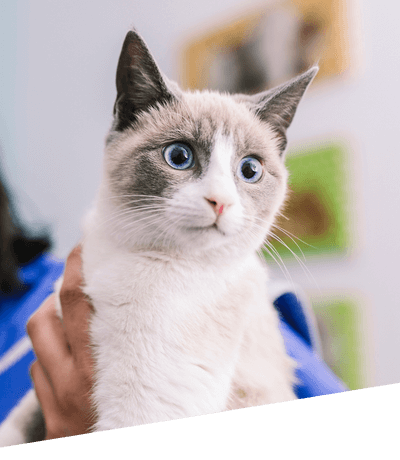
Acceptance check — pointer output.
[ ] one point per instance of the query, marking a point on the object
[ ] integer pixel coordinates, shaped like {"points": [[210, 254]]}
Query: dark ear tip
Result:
{"points": [[133, 36], [312, 72]]}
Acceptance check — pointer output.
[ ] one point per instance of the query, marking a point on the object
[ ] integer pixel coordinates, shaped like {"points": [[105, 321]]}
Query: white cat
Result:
{"points": [[192, 183]]}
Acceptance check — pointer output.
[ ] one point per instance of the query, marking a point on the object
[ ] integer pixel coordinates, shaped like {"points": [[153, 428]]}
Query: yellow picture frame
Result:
{"points": [[331, 52]]}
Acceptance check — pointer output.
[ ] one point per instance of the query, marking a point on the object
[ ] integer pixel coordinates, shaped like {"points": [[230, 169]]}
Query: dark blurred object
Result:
{"points": [[16, 247]]}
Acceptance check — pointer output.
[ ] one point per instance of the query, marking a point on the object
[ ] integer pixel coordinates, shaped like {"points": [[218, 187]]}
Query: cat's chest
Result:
{"points": [[145, 282], [180, 301]]}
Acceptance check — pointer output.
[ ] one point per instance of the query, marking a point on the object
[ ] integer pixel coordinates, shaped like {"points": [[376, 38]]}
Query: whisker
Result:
{"points": [[291, 236], [138, 210], [127, 213], [152, 220], [147, 214], [285, 271], [273, 250], [175, 222], [302, 264], [165, 232], [134, 197], [165, 229], [299, 248], [135, 228], [266, 247], [280, 214]]}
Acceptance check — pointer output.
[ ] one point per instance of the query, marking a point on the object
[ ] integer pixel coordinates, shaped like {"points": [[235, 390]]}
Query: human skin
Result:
{"points": [[63, 372]]}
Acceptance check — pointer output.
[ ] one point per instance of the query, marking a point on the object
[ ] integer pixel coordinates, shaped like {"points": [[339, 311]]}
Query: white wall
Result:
{"points": [[57, 67], [364, 110]]}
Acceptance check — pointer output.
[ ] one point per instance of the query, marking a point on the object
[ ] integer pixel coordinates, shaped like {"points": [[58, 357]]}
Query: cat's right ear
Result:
{"points": [[140, 84], [278, 106]]}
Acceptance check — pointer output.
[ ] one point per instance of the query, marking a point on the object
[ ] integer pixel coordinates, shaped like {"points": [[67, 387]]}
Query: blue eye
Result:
{"points": [[178, 156], [250, 169]]}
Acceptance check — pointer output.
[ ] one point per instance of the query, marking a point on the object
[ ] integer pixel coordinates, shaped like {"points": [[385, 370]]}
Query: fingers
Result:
{"points": [[76, 310], [44, 391], [63, 373], [57, 343], [48, 340], [73, 273]]}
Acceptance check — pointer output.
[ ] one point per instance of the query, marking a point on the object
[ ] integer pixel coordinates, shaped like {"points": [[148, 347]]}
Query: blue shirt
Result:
{"points": [[16, 355]]}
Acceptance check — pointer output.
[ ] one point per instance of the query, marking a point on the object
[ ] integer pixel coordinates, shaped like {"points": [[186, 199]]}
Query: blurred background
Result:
{"points": [[57, 74]]}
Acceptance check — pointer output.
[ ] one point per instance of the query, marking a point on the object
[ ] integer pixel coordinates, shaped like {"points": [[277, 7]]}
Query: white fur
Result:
{"points": [[170, 350]]}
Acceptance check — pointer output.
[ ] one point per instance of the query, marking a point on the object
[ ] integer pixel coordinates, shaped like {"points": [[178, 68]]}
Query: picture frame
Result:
{"points": [[267, 46]]}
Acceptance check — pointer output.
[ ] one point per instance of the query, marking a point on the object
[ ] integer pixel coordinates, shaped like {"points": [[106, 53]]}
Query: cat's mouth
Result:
{"points": [[212, 227]]}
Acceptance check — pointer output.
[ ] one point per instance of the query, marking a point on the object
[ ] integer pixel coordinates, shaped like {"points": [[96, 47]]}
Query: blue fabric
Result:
{"points": [[289, 308], [314, 376], [39, 277]]}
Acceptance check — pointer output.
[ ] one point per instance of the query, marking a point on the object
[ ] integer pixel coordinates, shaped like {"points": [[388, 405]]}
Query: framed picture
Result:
{"points": [[338, 321], [314, 221], [266, 47]]}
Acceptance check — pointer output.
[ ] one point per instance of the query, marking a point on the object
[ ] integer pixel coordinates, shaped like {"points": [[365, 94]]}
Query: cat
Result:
{"points": [[182, 323]]}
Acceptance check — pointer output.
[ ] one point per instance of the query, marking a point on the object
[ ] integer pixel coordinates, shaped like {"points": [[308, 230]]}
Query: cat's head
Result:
{"points": [[194, 171]]}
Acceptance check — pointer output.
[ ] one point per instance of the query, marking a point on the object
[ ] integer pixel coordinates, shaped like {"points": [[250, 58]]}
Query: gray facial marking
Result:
{"points": [[149, 178]]}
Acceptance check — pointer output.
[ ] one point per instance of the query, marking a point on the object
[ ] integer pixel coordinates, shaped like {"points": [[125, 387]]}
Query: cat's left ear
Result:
{"points": [[278, 106]]}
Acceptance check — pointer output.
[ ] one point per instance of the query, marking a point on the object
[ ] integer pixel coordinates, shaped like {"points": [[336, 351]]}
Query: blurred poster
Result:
{"points": [[338, 321], [315, 218], [268, 47]]}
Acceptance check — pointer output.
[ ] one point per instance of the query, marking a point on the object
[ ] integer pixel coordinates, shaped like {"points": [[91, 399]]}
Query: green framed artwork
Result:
{"points": [[316, 211], [338, 322]]}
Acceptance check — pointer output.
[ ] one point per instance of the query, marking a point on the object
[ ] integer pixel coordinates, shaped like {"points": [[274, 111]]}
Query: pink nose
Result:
{"points": [[217, 206]]}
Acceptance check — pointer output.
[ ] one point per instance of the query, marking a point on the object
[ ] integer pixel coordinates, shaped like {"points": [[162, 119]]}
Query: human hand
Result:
{"points": [[63, 372]]}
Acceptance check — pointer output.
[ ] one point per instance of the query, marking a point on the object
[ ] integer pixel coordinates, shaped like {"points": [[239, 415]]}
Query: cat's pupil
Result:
{"points": [[249, 169], [179, 155]]}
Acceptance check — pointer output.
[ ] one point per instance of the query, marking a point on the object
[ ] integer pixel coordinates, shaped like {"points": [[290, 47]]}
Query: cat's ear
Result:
{"points": [[140, 83], [278, 105]]}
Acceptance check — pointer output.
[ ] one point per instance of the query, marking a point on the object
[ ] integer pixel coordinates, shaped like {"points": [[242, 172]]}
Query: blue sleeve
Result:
{"points": [[16, 355], [314, 376], [298, 327]]}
